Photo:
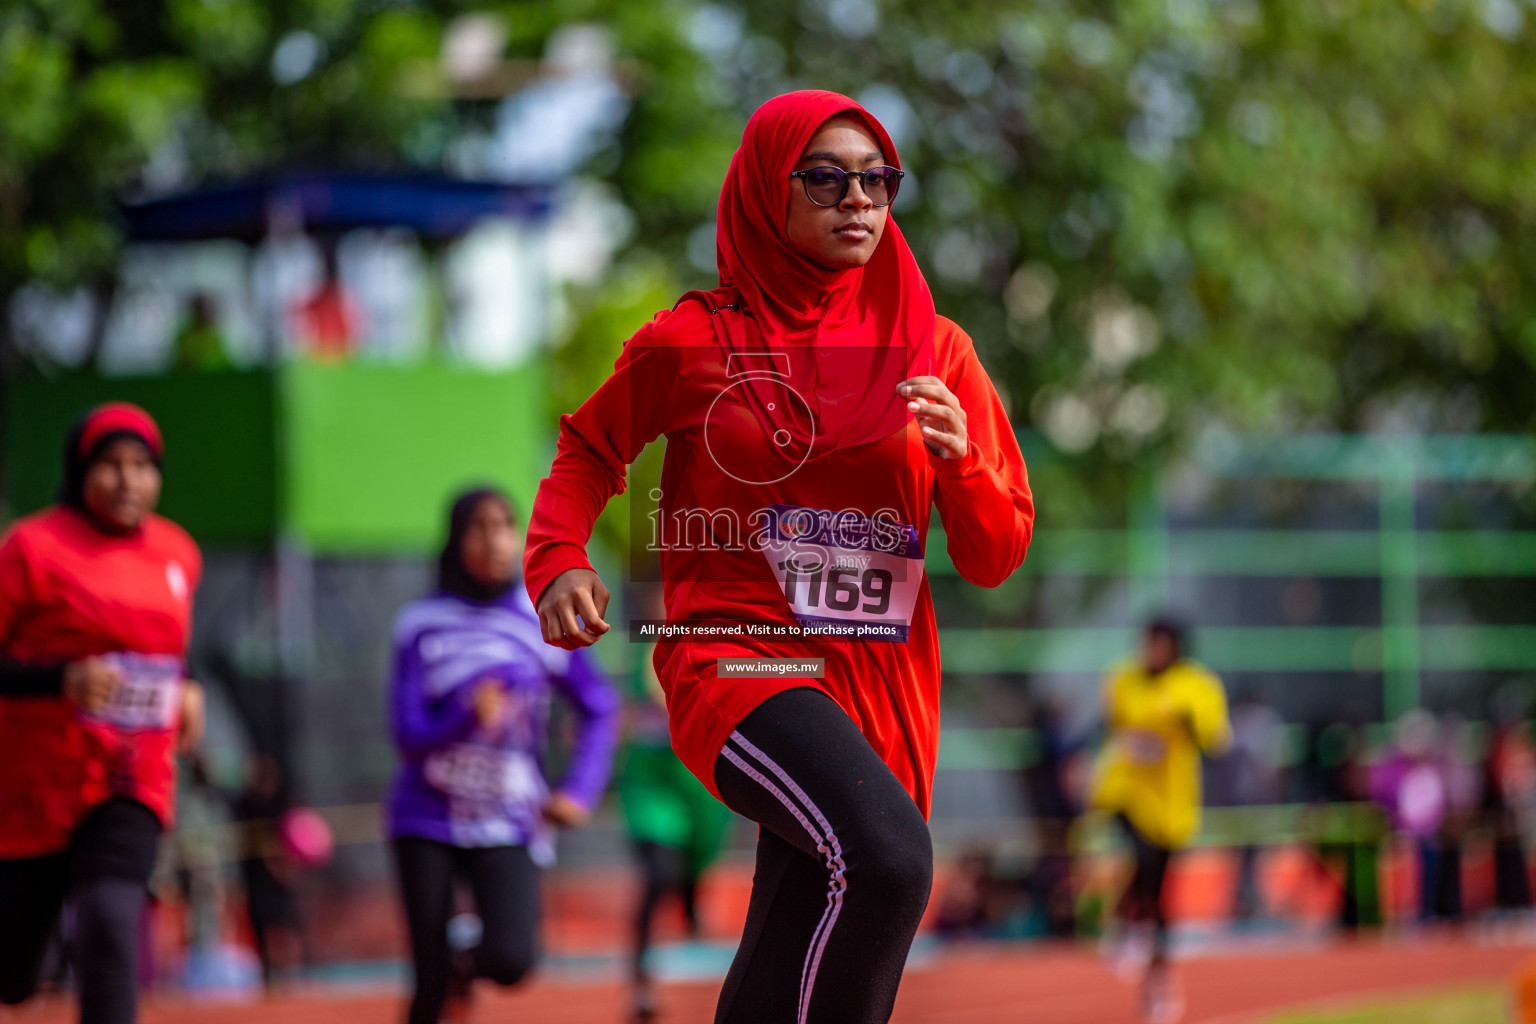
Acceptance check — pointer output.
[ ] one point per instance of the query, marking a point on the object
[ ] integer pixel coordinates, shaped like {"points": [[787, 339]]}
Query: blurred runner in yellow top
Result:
{"points": [[1162, 713]]}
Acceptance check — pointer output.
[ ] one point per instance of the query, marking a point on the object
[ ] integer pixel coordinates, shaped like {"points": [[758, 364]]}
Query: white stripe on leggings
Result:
{"points": [[829, 848], [838, 883]]}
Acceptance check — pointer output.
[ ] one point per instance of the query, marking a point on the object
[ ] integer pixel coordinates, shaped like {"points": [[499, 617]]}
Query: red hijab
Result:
{"points": [[849, 335]]}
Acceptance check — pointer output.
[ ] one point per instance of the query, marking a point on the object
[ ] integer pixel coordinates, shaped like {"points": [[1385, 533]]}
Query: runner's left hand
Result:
{"points": [[194, 716], [939, 415], [564, 811]]}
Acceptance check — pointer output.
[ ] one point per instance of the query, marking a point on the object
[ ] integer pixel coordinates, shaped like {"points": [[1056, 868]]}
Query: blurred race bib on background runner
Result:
{"points": [[149, 694], [475, 771], [846, 574], [1143, 747]]}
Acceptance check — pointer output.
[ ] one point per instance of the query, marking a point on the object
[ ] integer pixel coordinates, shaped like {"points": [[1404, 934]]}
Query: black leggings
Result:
{"points": [[103, 876], [505, 884], [664, 869], [1143, 897], [844, 867]]}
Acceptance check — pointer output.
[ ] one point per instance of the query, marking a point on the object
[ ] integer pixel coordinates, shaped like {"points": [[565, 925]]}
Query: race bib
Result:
{"points": [[147, 697], [846, 574], [1143, 747], [475, 772]]}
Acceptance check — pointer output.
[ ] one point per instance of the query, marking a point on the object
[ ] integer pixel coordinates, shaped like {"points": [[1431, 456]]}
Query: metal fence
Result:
{"points": [[1388, 540], [1419, 554]]}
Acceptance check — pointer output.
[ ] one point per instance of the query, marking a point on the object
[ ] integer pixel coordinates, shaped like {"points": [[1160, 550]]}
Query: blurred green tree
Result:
{"points": [[1164, 217], [1156, 217], [101, 101]]}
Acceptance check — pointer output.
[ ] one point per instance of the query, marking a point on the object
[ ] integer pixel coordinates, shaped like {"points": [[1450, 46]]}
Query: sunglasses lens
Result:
{"points": [[880, 185], [824, 185]]}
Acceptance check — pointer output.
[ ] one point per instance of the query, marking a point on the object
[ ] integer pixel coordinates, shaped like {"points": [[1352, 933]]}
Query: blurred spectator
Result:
{"points": [[327, 324], [270, 902], [1163, 712], [1250, 774], [201, 845], [1345, 834], [1460, 760], [978, 899], [1414, 784], [675, 824], [199, 854], [199, 344], [1056, 802], [1509, 795]]}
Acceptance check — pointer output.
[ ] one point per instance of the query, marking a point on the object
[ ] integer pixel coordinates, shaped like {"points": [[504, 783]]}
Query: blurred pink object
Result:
{"points": [[305, 837]]}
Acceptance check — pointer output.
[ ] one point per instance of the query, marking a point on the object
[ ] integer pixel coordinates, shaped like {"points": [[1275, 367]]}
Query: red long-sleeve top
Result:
{"points": [[68, 591], [671, 380]]}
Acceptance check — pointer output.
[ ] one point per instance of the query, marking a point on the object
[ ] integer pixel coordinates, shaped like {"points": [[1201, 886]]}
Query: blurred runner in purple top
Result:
{"points": [[471, 693]]}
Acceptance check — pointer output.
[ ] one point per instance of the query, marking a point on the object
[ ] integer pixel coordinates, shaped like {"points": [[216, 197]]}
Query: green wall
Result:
{"points": [[346, 458], [220, 450], [373, 453]]}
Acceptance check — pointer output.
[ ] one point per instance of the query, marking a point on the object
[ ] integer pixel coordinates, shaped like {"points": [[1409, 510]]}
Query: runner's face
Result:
{"points": [[844, 236], [491, 543], [1157, 652], [122, 485]]}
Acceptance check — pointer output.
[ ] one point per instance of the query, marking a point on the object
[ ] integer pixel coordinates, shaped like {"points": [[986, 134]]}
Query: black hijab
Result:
{"points": [[452, 576]]}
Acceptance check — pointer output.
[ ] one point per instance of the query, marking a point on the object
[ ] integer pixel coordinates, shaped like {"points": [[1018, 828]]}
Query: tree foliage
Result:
{"points": [[1156, 217], [1159, 217], [104, 101], [1164, 217]]}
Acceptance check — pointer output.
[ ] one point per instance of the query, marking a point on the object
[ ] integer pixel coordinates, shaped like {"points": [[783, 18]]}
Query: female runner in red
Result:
{"points": [[95, 610], [815, 409]]}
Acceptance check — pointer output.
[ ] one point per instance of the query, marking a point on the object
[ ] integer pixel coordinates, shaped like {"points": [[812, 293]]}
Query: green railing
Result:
{"points": [[1395, 551]]}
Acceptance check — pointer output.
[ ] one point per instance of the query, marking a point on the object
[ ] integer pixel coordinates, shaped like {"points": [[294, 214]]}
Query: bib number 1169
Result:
{"points": [[842, 588]]}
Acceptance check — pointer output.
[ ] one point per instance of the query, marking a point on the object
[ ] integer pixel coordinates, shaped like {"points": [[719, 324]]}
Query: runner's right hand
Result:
{"points": [[194, 716], [89, 682], [490, 705], [562, 810], [574, 592]]}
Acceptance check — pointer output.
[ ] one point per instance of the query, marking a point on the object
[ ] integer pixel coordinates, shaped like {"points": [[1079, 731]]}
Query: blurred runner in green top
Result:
{"points": [[675, 824]]}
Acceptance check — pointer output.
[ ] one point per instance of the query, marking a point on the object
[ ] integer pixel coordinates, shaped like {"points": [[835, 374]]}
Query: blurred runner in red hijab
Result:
{"points": [[816, 410], [95, 611]]}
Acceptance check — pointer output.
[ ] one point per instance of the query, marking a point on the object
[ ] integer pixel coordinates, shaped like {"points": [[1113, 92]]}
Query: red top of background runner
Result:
{"points": [[67, 591]]}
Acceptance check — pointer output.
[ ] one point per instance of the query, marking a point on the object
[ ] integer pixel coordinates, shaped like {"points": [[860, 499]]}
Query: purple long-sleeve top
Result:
{"points": [[459, 783]]}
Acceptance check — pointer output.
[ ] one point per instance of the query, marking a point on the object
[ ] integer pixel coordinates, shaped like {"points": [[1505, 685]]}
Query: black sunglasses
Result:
{"points": [[827, 186]]}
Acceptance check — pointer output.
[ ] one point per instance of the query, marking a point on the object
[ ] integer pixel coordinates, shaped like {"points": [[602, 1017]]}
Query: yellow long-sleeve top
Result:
{"points": [[1158, 728]]}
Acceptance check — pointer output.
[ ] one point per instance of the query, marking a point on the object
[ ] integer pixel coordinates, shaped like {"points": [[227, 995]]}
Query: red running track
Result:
{"points": [[978, 985]]}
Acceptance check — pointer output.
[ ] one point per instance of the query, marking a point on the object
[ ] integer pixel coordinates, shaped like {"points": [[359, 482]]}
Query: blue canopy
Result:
{"points": [[432, 206]]}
